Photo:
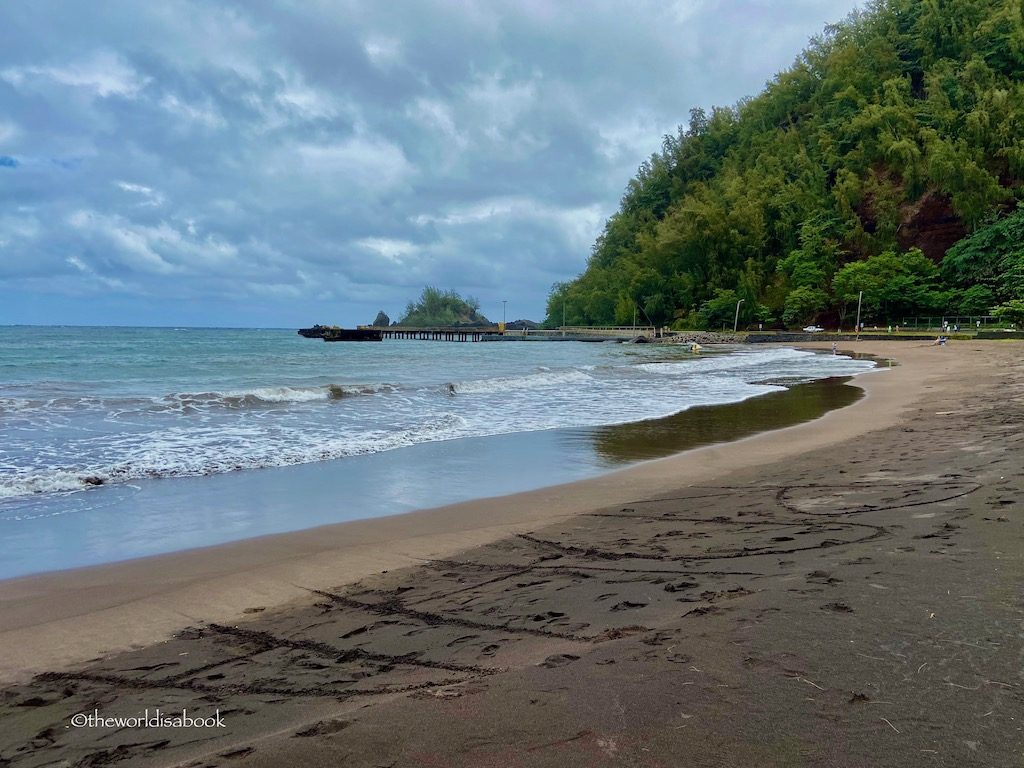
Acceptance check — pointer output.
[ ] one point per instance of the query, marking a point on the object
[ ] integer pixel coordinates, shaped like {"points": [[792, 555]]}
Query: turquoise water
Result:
{"points": [[167, 420]]}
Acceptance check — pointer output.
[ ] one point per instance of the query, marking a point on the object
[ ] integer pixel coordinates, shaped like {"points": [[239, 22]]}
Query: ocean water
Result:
{"points": [[97, 423]]}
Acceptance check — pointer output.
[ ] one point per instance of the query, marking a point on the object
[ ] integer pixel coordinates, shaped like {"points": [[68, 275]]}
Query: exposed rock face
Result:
{"points": [[931, 225], [382, 320]]}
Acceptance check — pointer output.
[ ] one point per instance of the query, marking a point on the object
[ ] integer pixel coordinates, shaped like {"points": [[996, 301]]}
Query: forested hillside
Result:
{"points": [[895, 134]]}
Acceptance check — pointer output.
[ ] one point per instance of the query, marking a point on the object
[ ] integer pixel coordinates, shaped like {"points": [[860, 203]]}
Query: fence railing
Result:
{"points": [[965, 322], [617, 328], [608, 330]]}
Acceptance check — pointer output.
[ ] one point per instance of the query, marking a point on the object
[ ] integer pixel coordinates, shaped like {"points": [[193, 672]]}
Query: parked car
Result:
{"points": [[813, 329]]}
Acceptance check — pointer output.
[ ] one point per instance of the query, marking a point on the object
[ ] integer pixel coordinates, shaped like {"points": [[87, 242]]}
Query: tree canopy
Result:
{"points": [[437, 308], [990, 261], [892, 136]]}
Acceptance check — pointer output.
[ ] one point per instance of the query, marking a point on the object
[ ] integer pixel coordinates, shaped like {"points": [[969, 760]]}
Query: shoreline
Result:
{"points": [[130, 520], [835, 593], [92, 611]]}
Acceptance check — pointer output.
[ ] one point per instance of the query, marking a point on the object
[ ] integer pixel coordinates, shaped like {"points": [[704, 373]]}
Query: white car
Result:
{"points": [[813, 329]]}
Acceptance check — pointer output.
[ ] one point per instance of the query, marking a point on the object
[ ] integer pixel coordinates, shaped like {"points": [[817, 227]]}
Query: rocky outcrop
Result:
{"points": [[931, 224], [702, 337]]}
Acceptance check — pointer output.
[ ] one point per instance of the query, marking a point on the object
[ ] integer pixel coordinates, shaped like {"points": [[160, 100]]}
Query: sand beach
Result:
{"points": [[844, 592]]}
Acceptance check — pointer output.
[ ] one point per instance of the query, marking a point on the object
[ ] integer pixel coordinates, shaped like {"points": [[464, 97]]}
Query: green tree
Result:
{"points": [[893, 285], [803, 305], [437, 308], [976, 300], [720, 311], [992, 257], [848, 285], [1011, 311]]}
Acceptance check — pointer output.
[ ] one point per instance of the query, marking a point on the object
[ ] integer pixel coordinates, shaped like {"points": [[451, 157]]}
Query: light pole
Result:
{"points": [[860, 298], [736, 320], [503, 303]]}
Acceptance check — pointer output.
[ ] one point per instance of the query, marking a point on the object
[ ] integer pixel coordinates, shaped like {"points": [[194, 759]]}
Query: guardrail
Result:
{"points": [[609, 330], [476, 333]]}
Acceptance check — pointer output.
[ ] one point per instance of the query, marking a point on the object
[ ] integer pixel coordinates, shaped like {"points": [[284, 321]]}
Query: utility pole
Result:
{"points": [[503, 303], [736, 320], [563, 317], [646, 316], [860, 297]]}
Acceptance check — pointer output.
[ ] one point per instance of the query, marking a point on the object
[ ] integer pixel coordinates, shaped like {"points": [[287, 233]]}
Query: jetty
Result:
{"points": [[499, 333], [317, 331], [481, 333], [454, 333], [356, 334], [336, 333]]}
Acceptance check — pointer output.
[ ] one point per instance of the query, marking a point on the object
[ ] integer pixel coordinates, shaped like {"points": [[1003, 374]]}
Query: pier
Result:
{"points": [[497, 333], [435, 334], [479, 333]]}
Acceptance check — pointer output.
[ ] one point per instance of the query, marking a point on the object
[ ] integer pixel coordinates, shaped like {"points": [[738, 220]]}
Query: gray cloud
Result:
{"points": [[281, 163]]}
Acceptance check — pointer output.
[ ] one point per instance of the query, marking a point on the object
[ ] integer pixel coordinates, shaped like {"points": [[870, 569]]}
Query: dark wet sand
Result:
{"points": [[857, 605], [710, 424]]}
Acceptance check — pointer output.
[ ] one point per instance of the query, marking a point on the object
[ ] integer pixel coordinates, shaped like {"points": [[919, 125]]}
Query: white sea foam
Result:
{"points": [[48, 482], [732, 362], [69, 441], [240, 398], [278, 395], [538, 380], [212, 450]]}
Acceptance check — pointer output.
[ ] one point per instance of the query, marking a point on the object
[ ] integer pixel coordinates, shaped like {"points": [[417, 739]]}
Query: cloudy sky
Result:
{"points": [[282, 163]]}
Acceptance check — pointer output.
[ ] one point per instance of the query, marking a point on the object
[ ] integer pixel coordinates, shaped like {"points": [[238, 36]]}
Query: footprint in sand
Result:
{"points": [[558, 660], [837, 607], [324, 728]]}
